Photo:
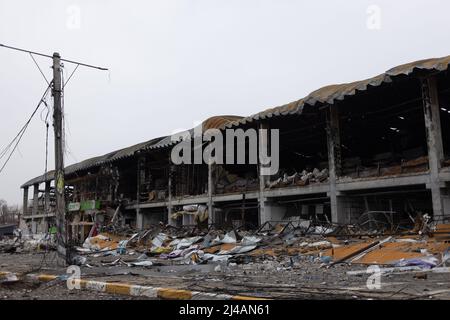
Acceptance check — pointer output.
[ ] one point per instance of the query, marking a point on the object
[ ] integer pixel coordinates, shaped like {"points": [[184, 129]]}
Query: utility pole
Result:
{"points": [[62, 252]]}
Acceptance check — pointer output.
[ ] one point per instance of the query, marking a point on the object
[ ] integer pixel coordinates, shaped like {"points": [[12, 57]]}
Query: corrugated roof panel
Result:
{"points": [[338, 92], [328, 94]]}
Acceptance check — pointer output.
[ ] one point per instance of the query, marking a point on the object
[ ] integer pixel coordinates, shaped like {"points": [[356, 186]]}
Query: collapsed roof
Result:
{"points": [[326, 95]]}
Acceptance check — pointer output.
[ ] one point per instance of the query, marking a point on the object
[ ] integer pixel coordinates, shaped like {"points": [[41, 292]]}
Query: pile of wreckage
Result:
{"points": [[281, 243], [299, 179], [198, 212], [230, 183], [284, 244], [19, 243]]}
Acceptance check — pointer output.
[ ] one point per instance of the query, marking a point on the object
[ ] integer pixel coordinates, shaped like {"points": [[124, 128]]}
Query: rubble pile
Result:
{"points": [[277, 260], [300, 179], [199, 212], [286, 249], [230, 183], [27, 243], [276, 244]]}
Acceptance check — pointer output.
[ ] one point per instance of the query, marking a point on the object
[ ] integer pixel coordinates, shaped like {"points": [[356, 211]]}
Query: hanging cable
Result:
{"points": [[35, 62], [64, 84], [19, 136], [63, 116], [5, 150], [46, 154], [66, 147], [49, 56]]}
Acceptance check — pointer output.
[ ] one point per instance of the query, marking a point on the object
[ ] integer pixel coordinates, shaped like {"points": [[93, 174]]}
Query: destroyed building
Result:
{"points": [[348, 152]]}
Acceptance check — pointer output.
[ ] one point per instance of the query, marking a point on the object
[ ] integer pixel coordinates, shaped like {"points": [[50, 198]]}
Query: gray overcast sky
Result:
{"points": [[176, 62]]}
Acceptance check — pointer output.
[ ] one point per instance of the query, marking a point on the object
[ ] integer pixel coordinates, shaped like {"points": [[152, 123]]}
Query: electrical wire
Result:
{"points": [[40, 70], [67, 244], [19, 136], [43, 100], [21, 132], [49, 56], [46, 205], [63, 116], [70, 77], [66, 129]]}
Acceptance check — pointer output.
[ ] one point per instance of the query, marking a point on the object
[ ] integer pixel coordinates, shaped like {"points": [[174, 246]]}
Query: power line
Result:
{"points": [[63, 250], [70, 76], [31, 53], [19, 135], [5, 150], [35, 62], [51, 57]]}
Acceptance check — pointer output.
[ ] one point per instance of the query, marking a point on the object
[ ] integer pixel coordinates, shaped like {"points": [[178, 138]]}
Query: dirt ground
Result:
{"points": [[299, 277]]}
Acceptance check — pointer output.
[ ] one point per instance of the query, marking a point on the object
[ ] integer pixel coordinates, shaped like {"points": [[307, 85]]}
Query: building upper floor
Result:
{"points": [[341, 136]]}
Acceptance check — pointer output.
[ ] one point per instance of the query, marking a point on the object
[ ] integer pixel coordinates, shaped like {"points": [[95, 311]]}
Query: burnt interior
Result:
{"points": [[303, 142], [383, 131], [243, 214], [190, 180], [98, 183], [403, 203], [153, 175], [235, 175], [308, 207]]}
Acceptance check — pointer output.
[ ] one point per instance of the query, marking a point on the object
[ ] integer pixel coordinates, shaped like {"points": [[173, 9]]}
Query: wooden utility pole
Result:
{"points": [[62, 256], [63, 251]]}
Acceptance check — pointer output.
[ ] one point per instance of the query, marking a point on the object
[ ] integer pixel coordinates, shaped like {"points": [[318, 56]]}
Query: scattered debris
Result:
{"points": [[300, 179]]}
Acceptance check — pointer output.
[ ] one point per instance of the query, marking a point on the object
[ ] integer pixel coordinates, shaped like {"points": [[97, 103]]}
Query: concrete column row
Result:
{"points": [[440, 197], [431, 111], [35, 207]]}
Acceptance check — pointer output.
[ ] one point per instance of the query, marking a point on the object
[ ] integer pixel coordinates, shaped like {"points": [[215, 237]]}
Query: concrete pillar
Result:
{"points": [[334, 163], [446, 202], [139, 219], [47, 196], [169, 198], [25, 201], [139, 178], [35, 198], [274, 211], [434, 141], [211, 183], [264, 215], [44, 225], [343, 214]]}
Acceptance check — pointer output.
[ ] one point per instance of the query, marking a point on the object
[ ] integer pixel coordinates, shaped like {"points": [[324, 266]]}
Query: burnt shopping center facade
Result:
{"points": [[377, 145]]}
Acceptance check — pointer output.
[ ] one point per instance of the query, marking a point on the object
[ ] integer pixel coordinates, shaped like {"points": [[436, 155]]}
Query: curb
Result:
{"points": [[134, 290]]}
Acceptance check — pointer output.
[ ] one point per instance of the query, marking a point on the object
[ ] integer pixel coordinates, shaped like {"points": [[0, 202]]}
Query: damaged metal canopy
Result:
{"points": [[332, 93]]}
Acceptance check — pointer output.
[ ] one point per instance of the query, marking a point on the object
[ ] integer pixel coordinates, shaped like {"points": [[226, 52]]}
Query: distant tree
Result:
{"points": [[8, 214], [4, 211]]}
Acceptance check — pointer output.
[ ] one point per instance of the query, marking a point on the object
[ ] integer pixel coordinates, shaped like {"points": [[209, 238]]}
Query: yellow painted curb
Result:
{"points": [[118, 288], [137, 290], [247, 298], [174, 294], [46, 277]]}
